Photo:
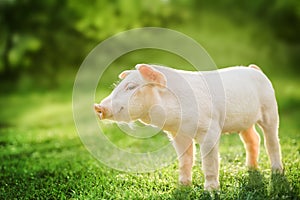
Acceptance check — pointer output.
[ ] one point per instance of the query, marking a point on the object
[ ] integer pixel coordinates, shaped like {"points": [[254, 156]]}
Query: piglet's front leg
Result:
{"points": [[210, 159], [210, 166], [184, 147]]}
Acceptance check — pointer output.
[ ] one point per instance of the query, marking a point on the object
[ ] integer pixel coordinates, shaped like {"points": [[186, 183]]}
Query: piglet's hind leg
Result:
{"points": [[251, 142]]}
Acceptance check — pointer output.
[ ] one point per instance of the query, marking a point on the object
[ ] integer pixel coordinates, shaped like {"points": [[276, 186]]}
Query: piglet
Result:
{"points": [[199, 107]]}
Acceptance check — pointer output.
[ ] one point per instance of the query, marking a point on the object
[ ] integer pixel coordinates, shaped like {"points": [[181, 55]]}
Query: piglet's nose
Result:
{"points": [[100, 110]]}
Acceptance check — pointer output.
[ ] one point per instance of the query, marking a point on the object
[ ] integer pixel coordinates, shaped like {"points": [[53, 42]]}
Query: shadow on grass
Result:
{"points": [[253, 186], [256, 186], [280, 188], [190, 192]]}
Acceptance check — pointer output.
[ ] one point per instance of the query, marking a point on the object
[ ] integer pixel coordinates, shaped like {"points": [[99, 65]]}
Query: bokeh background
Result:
{"points": [[39, 39], [44, 42]]}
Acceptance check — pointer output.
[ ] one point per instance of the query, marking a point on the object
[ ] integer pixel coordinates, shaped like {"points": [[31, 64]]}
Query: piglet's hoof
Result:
{"points": [[185, 181], [277, 169], [212, 186]]}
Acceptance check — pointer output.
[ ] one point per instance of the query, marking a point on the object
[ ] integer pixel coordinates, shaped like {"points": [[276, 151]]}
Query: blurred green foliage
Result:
{"points": [[58, 33], [45, 36], [283, 17]]}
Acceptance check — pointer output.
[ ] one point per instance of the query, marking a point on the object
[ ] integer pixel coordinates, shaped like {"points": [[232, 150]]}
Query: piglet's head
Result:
{"points": [[132, 99]]}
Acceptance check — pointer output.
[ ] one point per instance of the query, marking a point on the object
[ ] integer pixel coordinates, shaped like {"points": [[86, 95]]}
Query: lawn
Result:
{"points": [[42, 156]]}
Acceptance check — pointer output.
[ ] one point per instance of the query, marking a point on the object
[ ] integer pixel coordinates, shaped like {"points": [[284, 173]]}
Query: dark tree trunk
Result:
{"points": [[8, 74], [7, 48]]}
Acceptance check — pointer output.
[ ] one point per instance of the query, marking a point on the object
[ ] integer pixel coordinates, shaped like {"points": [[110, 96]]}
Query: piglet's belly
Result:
{"points": [[239, 121]]}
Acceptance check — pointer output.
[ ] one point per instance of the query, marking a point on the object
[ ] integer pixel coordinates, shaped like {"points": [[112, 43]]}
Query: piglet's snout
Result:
{"points": [[102, 111]]}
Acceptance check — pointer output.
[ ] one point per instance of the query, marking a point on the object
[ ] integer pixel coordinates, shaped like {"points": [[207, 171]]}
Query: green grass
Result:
{"points": [[42, 157]]}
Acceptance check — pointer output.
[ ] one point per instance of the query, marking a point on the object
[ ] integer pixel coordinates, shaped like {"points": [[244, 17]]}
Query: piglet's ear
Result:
{"points": [[124, 74], [151, 75]]}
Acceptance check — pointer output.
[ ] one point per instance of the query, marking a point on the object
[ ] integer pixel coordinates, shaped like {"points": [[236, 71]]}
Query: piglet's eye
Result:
{"points": [[131, 86]]}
